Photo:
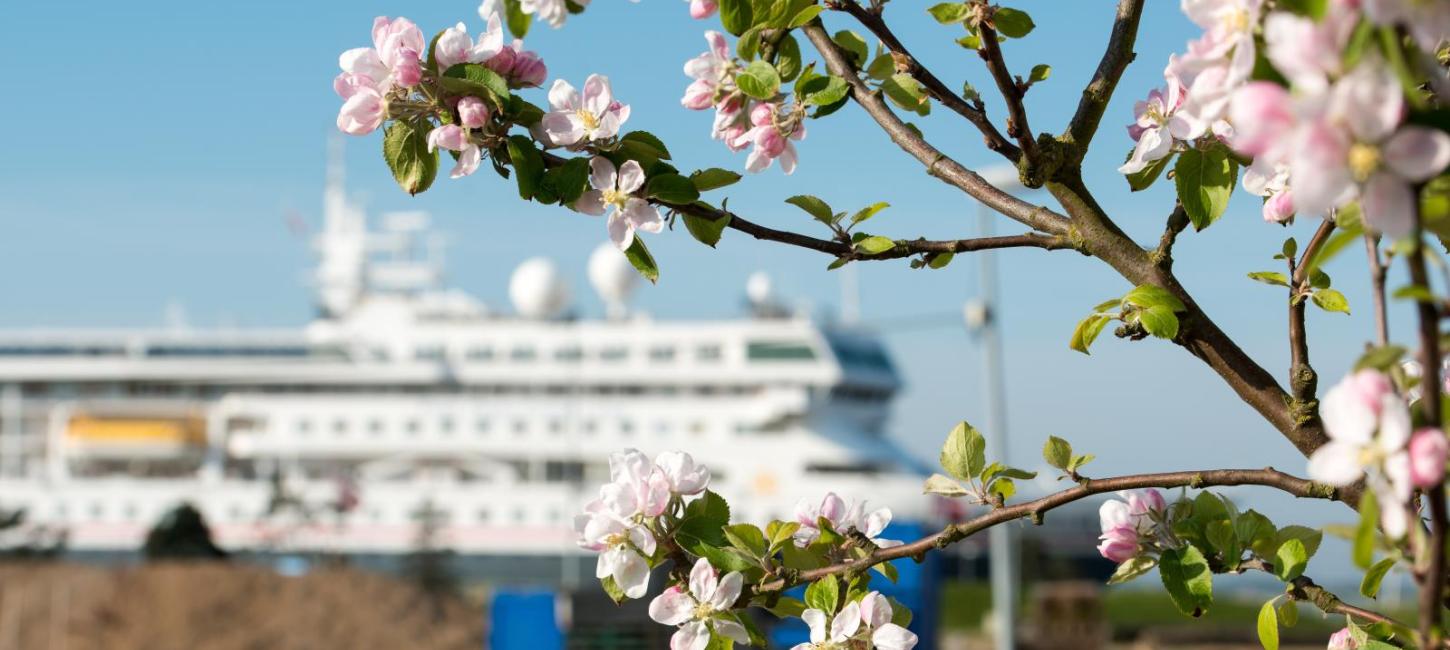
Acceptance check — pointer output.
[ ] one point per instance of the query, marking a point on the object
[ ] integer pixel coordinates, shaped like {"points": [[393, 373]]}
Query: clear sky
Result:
{"points": [[154, 152]]}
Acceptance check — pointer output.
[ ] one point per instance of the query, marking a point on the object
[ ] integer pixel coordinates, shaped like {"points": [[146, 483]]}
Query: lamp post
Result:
{"points": [[981, 320]]}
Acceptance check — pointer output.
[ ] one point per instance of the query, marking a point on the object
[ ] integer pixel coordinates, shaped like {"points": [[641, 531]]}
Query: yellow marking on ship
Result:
{"points": [[179, 431]]}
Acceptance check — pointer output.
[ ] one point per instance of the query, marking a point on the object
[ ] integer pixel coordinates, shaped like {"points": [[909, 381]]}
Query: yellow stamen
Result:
{"points": [[615, 198], [590, 120], [1237, 21], [703, 611], [1364, 159]]}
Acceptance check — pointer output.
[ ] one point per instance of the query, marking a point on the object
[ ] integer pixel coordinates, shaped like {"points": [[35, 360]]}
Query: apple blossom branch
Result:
{"points": [[1268, 477], [1303, 588], [976, 113], [937, 163]]}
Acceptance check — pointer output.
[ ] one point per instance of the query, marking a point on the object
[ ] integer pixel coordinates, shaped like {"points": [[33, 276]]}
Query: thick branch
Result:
{"points": [[1433, 580], [1012, 93], [1034, 509], [1098, 91], [937, 163], [870, 18]]}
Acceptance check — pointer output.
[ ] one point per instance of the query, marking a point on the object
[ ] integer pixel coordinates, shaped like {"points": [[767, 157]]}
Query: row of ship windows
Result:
{"points": [[524, 354], [237, 514], [447, 426]]}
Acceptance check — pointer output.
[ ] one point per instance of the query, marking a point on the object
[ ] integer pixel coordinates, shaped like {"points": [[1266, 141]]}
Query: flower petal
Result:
{"points": [[727, 591], [1417, 153], [875, 610], [893, 637], [601, 174], [847, 621], [590, 202], [816, 620], [1389, 205], [563, 97], [597, 95], [631, 176], [693, 636], [632, 574], [1336, 463], [672, 607], [732, 630], [703, 580], [620, 232]]}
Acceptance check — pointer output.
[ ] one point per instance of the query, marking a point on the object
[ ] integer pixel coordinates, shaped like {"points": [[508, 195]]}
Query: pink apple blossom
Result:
{"points": [[454, 45], [1428, 451], [521, 68], [1358, 147], [363, 111], [682, 473], [1156, 126], [1279, 207], [399, 44], [614, 193], [623, 547], [702, 609], [771, 134], [1307, 52], [1218, 62], [843, 517], [361, 66], [700, 9], [1264, 118], [1342, 640], [636, 487], [453, 138], [1124, 523], [713, 73], [1368, 425], [574, 119], [472, 112], [876, 617]]}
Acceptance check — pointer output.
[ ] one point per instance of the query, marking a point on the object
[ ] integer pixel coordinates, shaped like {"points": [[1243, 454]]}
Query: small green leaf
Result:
{"points": [[939, 260], [1144, 178], [1205, 180], [854, 45], [948, 13], [964, 454], [813, 206], [1309, 537], [875, 244], [788, 58], [612, 589], [1289, 613], [405, 148], [707, 231], [943, 485], [473, 79], [1087, 331], [713, 178], [868, 212], [1269, 626], [1380, 358], [748, 538], [780, 533], [1291, 248], [1151, 295], [516, 19], [1079, 461], [1186, 575], [639, 257], [1012, 23], [824, 594], [1003, 487], [672, 188], [829, 90], [758, 80], [905, 91], [1040, 72], [1132, 568], [1290, 560], [528, 165], [735, 16], [1057, 452], [1270, 277], [1330, 300], [1364, 535], [648, 142], [805, 16], [1418, 293], [1160, 321], [1370, 585]]}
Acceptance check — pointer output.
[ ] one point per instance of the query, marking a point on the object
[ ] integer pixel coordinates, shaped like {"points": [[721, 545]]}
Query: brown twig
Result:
{"points": [[953, 533], [871, 19], [1433, 580], [1303, 588], [1017, 127], [1377, 285], [1303, 381], [1115, 60]]}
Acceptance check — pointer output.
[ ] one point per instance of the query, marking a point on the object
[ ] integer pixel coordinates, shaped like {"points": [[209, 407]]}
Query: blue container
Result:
{"points": [[916, 587], [523, 619]]}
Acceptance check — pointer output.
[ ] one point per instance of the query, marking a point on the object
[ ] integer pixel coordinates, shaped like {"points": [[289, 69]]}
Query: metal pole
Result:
{"points": [[1003, 548]]}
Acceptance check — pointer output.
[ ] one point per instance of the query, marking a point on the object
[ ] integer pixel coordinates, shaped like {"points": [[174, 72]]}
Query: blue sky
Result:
{"points": [[157, 164]]}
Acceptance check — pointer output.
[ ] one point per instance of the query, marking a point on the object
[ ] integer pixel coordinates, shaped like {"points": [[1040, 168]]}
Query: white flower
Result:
{"points": [[614, 192], [1368, 426], [455, 138], [828, 633], [624, 547], [703, 608], [636, 486], [595, 116], [1155, 125], [843, 517], [885, 635], [683, 474], [455, 46], [857, 622], [554, 12]]}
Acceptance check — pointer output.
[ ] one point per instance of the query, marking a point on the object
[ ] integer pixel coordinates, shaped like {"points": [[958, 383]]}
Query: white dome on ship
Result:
{"points": [[537, 289], [613, 277]]}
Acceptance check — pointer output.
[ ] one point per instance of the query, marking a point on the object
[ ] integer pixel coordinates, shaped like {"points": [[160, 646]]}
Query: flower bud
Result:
{"points": [[409, 69], [1428, 450], [528, 71], [472, 112], [1119, 544], [362, 113], [1342, 640], [700, 9], [452, 47], [1280, 207], [699, 96], [448, 136]]}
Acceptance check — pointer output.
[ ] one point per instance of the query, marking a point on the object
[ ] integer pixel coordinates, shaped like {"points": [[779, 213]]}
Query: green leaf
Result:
{"points": [[943, 485], [805, 16], [528, 165], [517, 21], [475, 80], [788, 58], [854, 45], [1255, 531], [787, 607], [1364, 535], [1414, 292], [612, 588], [1003, 487], [707, 231], [735, 16], [1370, 585], [1159, 321], [646, 143], [1220, 534], [1079, 461], [970, 42], [1186, 575], [868, 212], [1270, 277], [948, 13], [1309, 537], [1057, 452], [639, 257], [1291, 247], [881, 67], [1087, 331], [939, 260], [1040, 72], [1144, 178], [1012, 23], [748, 538], [672, 188], [1310, 8], [1152, 295], [1205, 179], [824, 594], [813, 206], [1330, 300], [1336, 244], [1288, 613], [1132, 568], [405, 148], [705, 518], [1319, 279], [1290, 560], [780, 533], [567, 181], [713, 178], [724, 560], [875, 244], [964, 453], [1269, 626], [905, 91]]}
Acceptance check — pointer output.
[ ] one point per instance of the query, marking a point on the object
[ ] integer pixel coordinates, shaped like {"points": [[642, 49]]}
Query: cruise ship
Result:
{"points": [[404, 396]]}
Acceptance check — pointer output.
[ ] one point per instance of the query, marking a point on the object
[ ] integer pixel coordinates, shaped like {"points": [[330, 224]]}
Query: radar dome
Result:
{"points": [[613, 277], [537, 290], [757, 288]]}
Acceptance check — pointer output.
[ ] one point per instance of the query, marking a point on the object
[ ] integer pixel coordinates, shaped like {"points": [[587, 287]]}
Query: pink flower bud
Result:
{"points": [[529, 71], [409, 68], [700, 95], [448, 136], [1428, 451], [472, 112], [733, 136], [347, 84], [1279, 208], [452, 47], [702, 8], [1119, 544], [362, 113], [1140, 502], [1342, 640], [762, 113]]}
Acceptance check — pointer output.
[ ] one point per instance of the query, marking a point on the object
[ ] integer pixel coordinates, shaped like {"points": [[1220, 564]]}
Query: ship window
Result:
{"points": [[779, 351], [558, 471], [520, 427], [481, 426], [570, 354], [614, 353], [709, 352], [842, 468], [304, 426], [339, 427], [662, 354], [480, 353], [556, 427], [483, 515], [445, 425], [697, 427], [429, 353], [589, 427], [375, 427], [98, 510], [626, 427], [412, 427], [860, 353], [523, 354], [662, 427]]}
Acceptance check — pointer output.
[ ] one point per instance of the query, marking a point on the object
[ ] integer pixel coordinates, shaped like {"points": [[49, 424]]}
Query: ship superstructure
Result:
{"points": [[404, 396]]}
